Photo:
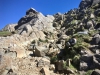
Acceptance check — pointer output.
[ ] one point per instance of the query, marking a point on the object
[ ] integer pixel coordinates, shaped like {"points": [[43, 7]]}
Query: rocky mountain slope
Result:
{"points": [[59, 44]]}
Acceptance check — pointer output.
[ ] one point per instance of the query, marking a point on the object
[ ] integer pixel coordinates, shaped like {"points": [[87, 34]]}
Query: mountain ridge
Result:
{"points": [[56, 44]]}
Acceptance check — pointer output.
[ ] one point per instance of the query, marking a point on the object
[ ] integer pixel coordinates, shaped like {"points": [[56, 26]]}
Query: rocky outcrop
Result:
{"points": [[37, 20], [89, 62], [9, 27], [87, 3]]}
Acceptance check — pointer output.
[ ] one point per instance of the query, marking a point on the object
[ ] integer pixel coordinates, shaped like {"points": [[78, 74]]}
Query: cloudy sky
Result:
{"points": [[12, 10]]}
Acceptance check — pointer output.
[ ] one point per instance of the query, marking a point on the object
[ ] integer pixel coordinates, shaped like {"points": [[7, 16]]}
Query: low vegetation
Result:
{"points": [[5, 33]]}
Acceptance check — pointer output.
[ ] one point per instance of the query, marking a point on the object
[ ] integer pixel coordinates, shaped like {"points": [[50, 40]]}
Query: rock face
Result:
{"points": [[37, 20]]}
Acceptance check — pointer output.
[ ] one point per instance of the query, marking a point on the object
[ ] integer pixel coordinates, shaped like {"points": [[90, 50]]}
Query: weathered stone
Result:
{"points": [[45, 71], [4, 72], [83, 66], [96, 39], [64, 37], [52, 67], [40, 51], [59, 46], [84, 32], [12, 54], [96, 72], [92, 16], [89, 25], [59, 65], [30, 11], [43, 62]]}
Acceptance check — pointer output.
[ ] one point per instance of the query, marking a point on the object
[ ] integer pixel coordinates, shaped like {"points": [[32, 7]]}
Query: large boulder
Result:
{"points": [[40, 51], [43, 62]]}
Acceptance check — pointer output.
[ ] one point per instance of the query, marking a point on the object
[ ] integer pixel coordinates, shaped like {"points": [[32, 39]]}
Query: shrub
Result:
{"points": [[76, 60], [54, 59], [89, 72], [14, 32], [33, 41], [44, 41], [65, 65]]}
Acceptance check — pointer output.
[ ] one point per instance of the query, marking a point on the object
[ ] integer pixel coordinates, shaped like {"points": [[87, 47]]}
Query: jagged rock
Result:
{"points": [[11, 54], [64, 37], [31, 47], [83, 66], [83, 52], [90, 62], [45, 71], [59, 65], [31, 11], [55, 24], [53, 51], [40, 51], [37, 20], [92, 16], [28, 28], [96, 39], [95, 2], [97, 26], [87, 3], [43, 63], [52, 67], [96, 61], [59, 46], [89, 25], [96, 72], [9, 27]]}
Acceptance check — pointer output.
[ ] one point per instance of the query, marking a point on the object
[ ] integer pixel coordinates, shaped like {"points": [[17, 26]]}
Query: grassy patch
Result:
{"points": [[5, 33], [54, 59], [89, 72]]}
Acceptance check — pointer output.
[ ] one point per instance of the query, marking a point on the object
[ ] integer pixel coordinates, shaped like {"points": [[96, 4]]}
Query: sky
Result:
{"points": [[12, 10]]}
